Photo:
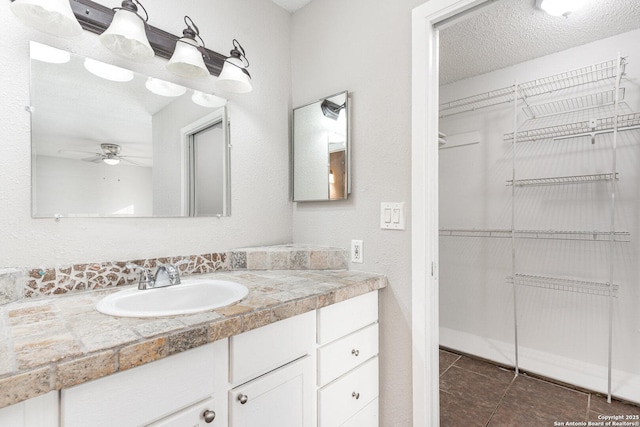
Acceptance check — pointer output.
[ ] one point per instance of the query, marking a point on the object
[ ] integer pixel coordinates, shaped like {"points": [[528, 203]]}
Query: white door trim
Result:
{"points": [[424, 205]]}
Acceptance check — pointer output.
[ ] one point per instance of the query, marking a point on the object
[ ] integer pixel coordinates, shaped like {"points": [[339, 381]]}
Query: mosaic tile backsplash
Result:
{"points": [[17, 283]]}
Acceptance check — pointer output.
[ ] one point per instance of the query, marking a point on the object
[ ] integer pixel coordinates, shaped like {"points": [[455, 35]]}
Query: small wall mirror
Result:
{"points": [[321, 151], [108, 142]]}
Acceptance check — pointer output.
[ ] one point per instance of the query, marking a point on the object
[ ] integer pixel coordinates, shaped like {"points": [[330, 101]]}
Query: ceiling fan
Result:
{"points": [[110, 155]]}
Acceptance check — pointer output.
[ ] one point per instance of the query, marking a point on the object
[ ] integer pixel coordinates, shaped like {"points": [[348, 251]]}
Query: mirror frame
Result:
{"points": [[347, 151]]}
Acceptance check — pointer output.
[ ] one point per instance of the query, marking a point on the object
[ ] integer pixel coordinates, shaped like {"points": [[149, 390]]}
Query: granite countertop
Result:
{"points": [[59, 342]]}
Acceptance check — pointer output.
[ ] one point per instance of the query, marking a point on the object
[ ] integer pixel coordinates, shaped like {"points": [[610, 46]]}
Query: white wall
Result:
{"points": [[73, 186], [365, 47], [476, 304], [260, 207]]}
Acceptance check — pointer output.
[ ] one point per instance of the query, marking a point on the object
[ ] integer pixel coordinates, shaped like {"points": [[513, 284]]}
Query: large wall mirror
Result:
{"points": [[321, 150], [108, 142]]}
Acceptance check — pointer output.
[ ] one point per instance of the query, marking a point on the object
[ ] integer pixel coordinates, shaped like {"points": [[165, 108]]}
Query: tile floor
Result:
{"points": [[476, 393]]}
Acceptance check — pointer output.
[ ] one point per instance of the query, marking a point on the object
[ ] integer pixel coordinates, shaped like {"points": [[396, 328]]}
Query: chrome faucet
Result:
{"points": [[166, 275], [145, 281]]}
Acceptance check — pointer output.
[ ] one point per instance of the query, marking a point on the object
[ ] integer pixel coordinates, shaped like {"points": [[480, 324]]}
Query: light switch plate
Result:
{"points": [[392, 216]]}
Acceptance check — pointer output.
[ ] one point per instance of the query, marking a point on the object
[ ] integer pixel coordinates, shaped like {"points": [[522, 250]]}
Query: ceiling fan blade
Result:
{"points": [[78, 151], [95, 159], [129, 161]]}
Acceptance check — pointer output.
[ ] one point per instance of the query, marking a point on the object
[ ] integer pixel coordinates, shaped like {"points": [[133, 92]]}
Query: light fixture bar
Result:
{"points": [[96, 18]]}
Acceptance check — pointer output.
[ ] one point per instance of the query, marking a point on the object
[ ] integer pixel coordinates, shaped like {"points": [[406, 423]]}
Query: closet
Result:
{"points": [[539, 216]]}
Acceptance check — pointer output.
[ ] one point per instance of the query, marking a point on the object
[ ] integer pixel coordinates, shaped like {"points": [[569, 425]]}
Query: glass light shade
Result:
{"points": [[44, 53], [560, 7], [108, 71], [186, 60], [127, 37], [164, 88], [50, 16], [232, 79], [111, 161], [207, 100]]}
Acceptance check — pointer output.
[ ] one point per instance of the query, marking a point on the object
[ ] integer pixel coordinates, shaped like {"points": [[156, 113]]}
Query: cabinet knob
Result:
{"points": [[355, 352], [356, 395], [209, 416], [243, 398]]}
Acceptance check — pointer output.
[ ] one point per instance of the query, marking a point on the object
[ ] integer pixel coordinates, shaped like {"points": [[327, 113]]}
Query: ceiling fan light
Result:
{"points": [[126, 36], [111, 161], [559, 7], [50, 16]]}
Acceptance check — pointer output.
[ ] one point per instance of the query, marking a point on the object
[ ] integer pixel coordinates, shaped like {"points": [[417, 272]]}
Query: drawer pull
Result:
{"points": [[208, 416], [356, 395], [243, 398], [355, 352]]}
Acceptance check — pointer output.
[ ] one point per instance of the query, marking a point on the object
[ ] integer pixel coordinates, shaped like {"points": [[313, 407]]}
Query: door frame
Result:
{"points": [[424, 204]]}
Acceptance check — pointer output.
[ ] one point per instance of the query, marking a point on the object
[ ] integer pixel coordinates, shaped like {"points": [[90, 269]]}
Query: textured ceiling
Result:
{"points": [[509, 32]]}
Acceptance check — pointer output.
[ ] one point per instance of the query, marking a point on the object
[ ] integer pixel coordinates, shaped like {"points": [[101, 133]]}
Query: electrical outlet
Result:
{"points": [[357, 254]]}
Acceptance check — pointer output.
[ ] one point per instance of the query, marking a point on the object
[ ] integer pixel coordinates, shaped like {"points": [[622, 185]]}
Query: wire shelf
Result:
{"points": [[562, 180], [476, 102], [568, 79], [564, 284], [582, 128], [581, 76], [569, 105], [579, 235]]}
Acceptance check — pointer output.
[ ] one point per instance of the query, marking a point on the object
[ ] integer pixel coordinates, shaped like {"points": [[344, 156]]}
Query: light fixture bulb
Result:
{"points": [[108, 71], [111, 160], [559, 7], [126, 36], [164, 88], [50, 16], [42, 52], [187, 60], [234, 77], [207, 100]]}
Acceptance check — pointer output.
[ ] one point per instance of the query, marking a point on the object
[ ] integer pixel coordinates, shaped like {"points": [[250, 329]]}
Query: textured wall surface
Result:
{"points": [[348, 45], [261, 212]]}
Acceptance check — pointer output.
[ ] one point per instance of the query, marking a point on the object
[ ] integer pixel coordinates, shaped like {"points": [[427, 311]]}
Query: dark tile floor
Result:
{"points": [[477, 393]]}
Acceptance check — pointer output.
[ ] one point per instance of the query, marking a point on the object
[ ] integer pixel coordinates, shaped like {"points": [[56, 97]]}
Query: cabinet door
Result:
{"points": [[283, 398], [40, 411]]}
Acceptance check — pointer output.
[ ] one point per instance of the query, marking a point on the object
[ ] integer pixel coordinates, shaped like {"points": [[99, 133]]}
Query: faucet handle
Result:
{"points": [[145, 280], [172, 272]]}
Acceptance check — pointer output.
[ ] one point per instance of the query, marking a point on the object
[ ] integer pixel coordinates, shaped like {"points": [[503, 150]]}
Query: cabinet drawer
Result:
{"points": [[193, 416], [338, 320], [340, 356], [368, 417], [348, 395], [261, 350]]}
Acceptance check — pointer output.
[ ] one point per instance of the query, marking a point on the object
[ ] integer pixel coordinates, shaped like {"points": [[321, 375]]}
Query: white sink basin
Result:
{"points": [[191, 296]]}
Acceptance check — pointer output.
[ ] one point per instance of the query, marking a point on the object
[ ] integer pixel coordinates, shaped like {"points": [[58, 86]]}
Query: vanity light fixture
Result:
{"points": [[559, 7], [50, 16], [164, 88], [207, 100], [234, 77], [108, 71], [43, 53], [186, 60], [331, 110], [126, 36]]}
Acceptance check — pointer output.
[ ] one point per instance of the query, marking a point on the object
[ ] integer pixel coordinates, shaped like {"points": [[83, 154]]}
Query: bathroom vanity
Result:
{"points": [[306, 359]]}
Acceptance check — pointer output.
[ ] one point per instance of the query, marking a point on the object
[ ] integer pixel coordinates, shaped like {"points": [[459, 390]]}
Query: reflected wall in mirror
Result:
{"points": [[321, 150], [108, 142]]}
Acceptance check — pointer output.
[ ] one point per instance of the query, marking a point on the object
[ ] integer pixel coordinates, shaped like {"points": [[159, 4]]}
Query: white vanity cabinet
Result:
{"points": [[174, 391], [41, 411], [348, 363], [272, 370]]}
